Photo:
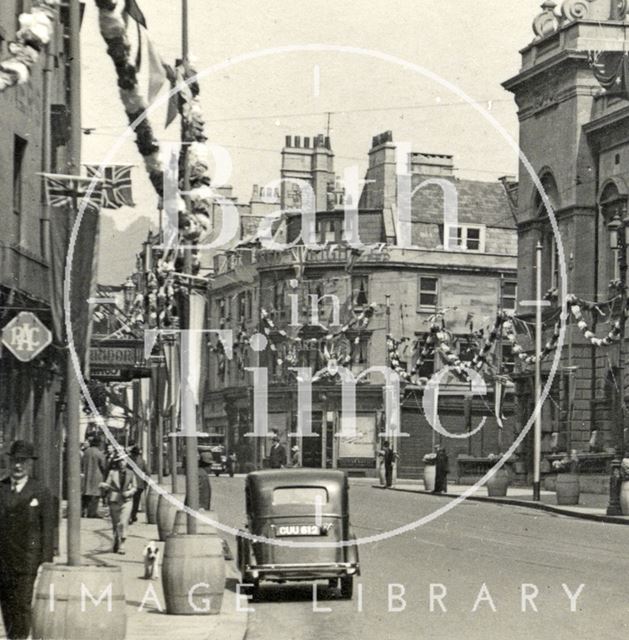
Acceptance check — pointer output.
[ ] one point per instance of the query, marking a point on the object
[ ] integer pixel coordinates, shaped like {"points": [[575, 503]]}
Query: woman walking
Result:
{"points": [[120, 485]]}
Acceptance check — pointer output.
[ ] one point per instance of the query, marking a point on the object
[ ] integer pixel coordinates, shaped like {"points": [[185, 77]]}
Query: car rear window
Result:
{"points": [[300, 495]]}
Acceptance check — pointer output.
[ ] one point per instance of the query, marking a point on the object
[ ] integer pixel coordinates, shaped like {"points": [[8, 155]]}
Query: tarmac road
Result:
{"points": [[484, 559]]}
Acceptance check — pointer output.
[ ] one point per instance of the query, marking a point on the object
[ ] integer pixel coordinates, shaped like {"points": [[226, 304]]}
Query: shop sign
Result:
{"points": [[26, 336]]}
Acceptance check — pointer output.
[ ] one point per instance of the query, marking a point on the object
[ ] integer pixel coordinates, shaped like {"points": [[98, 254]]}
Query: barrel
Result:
{"points": [[64, 603], [430, 473], [203, 528], [193, 574], [498, 484], [624, 498], [166, 512], [567, 488], [152, 498]]}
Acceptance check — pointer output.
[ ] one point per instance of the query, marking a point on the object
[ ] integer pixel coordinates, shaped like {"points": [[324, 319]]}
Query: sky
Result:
{"points": [[252, 105]]}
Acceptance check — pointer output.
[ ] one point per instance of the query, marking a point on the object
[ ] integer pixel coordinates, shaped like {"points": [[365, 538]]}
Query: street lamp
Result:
{"points": [[129, 294], [619, 241]]}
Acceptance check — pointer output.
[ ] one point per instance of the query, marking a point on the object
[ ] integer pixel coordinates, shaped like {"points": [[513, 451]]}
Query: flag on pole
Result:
{"points": [[116, 184], [611, 69], [157, 71], [196, 341], [73, 191], [498, 401], [132, 9], [70, 195]]}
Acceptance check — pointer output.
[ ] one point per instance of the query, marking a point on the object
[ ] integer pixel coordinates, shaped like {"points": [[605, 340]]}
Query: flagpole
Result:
{"points": [[73, 459], [537, 438], [189, 410]]}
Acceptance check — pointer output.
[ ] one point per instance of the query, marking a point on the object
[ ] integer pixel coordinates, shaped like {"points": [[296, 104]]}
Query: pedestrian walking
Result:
{"points": [[277, 455], [205, 490], [93, 471], [388, 460], [441, 471], [120, 486], [27, 521], [294, 456], [136, 456]]}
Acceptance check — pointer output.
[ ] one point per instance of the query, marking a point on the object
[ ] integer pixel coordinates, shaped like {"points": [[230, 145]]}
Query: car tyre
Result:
{"points": [[347, 587]]}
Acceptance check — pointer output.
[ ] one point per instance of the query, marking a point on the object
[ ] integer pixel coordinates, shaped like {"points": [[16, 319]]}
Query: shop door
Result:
{"points": [[311, 446]]}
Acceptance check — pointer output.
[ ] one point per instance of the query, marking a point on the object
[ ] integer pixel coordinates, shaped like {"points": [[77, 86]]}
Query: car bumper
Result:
{"points": [[315, 571]]}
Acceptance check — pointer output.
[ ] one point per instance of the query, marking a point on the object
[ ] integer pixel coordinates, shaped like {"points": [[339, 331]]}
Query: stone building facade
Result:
{"points": [[33, 137], [467, 269], [576, 138]]}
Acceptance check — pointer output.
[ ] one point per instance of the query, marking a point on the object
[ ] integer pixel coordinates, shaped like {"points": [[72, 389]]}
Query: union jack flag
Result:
{"points": [[116, 184], [72, 191]]}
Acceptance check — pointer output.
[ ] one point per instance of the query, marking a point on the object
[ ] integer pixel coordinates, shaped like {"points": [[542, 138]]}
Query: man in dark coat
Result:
{"points": [[441, 471], [277, 455], [27, 521], [136, 457], [93, 472], [388, 458]]}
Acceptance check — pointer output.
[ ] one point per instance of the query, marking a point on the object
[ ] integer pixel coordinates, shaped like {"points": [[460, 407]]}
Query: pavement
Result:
{"points": [[591, 506], [146, 621]]}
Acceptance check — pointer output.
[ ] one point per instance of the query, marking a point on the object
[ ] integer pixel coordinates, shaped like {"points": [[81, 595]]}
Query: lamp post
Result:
{"points": [[619, 241], [129, 294]]}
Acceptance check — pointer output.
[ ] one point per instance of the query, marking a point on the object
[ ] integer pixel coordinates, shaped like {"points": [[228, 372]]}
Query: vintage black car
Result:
{"points": [[300, 506]]}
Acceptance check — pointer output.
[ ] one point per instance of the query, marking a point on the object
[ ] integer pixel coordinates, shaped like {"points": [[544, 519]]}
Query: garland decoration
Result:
{"points": [[393, 354], [35, 32], [112, 21], [613, 336], [195, 224]]}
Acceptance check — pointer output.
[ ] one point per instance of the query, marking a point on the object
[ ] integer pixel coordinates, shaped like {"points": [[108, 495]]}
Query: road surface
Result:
{"points": [[466, 574]]}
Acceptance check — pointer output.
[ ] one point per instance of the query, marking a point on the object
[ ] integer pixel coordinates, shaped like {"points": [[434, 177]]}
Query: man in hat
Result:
{"points": [[93, 470], [120, 486], [277, 455], [27, 520]]}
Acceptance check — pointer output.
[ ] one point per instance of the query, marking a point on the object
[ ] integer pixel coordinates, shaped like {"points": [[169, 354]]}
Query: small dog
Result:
{"points": [[151, 561]]}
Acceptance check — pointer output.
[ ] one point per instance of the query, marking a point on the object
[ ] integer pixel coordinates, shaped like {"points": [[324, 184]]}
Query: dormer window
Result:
{"points": [[466, 237]]}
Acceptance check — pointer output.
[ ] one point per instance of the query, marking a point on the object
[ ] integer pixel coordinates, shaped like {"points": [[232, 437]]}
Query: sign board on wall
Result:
{"points": [[363, 444]]}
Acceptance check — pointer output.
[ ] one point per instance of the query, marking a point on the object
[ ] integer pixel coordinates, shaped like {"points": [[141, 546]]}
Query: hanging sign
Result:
{"points": [[26, 336]]}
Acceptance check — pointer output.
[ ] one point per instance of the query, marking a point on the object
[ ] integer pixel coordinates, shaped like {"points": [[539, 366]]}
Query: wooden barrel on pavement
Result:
{"points": [[203, 528], [152, 498], [166, 512], [74, 603], [193, 574], [567, 489]]}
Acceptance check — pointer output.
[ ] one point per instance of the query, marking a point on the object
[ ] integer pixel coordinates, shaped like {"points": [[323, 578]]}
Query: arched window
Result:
{"points": [[612, 204], [550, 253]]}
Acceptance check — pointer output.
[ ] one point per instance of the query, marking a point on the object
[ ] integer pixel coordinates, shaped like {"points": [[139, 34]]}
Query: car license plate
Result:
{"points": [[298, 530]]}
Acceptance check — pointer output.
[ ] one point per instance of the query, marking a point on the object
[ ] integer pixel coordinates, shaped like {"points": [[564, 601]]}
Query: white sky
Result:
{"points": [[249, 107]]}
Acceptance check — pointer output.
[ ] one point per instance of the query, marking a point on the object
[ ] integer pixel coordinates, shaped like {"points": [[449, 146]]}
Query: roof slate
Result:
{"points": [[478, 202]]}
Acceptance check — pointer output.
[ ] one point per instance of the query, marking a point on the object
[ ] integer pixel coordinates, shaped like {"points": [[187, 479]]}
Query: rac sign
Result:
{"points": [[26, 336]]}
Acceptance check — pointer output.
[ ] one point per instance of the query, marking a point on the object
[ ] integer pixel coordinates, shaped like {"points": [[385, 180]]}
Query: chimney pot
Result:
{"points": [[298, 141], [306, 143], [288, 141], [327, 142]]}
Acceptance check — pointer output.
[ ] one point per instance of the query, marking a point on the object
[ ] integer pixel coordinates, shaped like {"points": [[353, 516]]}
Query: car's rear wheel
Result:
{"points": [[217, 473], [347, 587], [255, 590]]}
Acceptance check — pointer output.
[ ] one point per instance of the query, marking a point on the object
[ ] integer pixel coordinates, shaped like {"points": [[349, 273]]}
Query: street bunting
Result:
{"points": [[26, 336]]}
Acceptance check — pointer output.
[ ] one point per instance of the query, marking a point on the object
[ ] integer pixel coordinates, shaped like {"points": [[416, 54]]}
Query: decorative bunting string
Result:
{"points": [[113, 28]]}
